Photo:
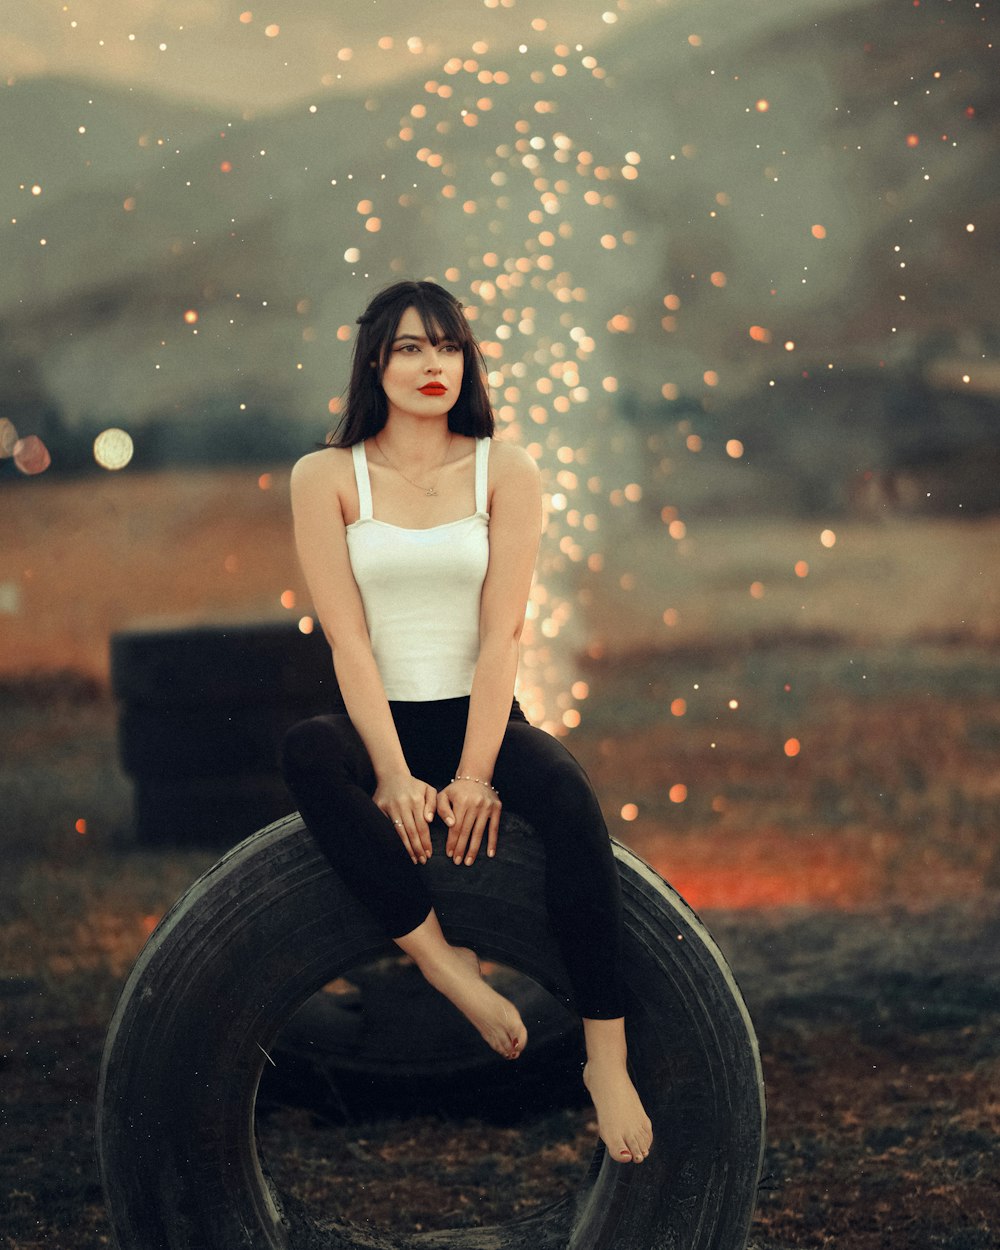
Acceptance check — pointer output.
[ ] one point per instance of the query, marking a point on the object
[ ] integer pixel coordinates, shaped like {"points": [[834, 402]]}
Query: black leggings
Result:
{"points": [[329, 772]]}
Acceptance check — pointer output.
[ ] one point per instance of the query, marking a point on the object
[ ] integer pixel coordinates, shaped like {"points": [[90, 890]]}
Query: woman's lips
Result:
{"points": [[433, 388]]}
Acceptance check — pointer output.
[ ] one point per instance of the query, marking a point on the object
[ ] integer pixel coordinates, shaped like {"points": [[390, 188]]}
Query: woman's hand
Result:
{"points": [[410, 804], [469, 809]]}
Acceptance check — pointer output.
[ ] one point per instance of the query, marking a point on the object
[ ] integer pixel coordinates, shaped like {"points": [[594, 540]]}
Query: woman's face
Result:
{"points": [[420, 378]]}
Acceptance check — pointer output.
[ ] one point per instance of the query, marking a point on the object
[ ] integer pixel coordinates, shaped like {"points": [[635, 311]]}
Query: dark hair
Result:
{"points": [[366, 409]]}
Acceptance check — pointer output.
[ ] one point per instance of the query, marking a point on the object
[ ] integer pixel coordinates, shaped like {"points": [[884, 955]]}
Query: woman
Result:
{"points": [[417, 536]]}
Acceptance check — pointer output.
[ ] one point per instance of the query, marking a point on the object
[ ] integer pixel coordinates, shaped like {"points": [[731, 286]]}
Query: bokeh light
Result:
{"points": [[113, 448], [31, 455], [8, 438]]}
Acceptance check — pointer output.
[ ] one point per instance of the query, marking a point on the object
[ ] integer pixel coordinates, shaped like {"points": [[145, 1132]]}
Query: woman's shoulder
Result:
{"points": [[514, 479], [510, 460], [322, 465]]}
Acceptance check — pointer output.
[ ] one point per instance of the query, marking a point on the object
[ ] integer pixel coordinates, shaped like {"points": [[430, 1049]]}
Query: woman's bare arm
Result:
{"points": [[321, 542], [515, 529]]}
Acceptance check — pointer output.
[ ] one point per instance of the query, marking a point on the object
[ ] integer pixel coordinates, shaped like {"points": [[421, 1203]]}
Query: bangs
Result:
{"points": [[440, 315], [443, 322]]}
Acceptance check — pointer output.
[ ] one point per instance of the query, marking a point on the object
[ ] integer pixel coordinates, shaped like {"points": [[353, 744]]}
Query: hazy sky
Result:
{"points": [[262, 55]]}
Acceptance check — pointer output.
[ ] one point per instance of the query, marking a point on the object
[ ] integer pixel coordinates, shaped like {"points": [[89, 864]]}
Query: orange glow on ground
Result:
{"points": [[774, 868]]}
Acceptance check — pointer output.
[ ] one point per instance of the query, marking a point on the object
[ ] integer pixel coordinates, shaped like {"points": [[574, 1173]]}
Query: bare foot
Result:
{"points": [[622, 1122], [497, 1019]]}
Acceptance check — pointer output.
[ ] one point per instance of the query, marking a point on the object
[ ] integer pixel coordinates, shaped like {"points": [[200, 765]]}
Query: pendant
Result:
{"points": [[431, 490]]}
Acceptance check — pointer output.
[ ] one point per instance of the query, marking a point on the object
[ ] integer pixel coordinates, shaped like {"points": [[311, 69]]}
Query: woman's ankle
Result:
{"points": [[605, 1042]]}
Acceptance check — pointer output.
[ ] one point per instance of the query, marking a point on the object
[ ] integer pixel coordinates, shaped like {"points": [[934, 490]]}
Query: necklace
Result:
{"points": [[428, 490]]}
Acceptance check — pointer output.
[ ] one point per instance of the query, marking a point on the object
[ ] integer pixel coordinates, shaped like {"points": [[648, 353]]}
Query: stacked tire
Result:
{"points": [[202, 711]]}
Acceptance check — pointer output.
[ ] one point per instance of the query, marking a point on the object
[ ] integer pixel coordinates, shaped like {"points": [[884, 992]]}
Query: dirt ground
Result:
{"points": [[854, 886]]}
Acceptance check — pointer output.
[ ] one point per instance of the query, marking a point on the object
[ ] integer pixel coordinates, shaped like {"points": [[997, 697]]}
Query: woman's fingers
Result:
{"points": [[409, 803], [486, 821], [417, 822], [459, 841], [465, 820], [476, 838], [407, 837], [447, 814], [445, 809], [471, 815], [430, 803], [406, 827], [494, 831], [427, 815]]}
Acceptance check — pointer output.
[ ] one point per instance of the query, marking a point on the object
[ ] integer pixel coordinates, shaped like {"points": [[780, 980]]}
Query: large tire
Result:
{"points": [[271, 923], [350, 1055]]}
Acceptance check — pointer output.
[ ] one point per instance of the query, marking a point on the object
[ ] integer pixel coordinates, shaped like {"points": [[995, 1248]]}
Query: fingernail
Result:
{"points": [[449, 820], [458, 859], [491, 853], [468, 860]]}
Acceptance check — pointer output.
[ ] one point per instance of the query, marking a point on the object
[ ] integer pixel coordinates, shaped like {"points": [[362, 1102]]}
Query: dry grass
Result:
{"points": [[81, 559], [855, 887]]}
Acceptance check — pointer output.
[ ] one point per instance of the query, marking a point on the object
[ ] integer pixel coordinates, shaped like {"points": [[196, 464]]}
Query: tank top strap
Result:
{"points": [[363, 481], [482, 473]]}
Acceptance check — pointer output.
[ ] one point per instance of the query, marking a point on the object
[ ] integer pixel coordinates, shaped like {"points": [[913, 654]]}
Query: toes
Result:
{"points": [[515, 1044], [517, 1036]]}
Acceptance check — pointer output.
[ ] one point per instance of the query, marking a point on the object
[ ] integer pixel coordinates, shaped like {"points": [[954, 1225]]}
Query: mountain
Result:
{"points": [[778, 174]]}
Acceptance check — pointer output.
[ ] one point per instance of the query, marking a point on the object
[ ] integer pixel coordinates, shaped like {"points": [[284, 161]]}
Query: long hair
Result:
{"points": [[366, 410]]}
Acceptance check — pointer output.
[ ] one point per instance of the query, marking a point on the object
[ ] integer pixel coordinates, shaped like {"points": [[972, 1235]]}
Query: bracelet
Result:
{"points": [[466, 777]]}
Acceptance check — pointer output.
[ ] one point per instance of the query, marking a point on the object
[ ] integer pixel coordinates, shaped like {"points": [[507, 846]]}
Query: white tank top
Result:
{"points": [[421, 590]]}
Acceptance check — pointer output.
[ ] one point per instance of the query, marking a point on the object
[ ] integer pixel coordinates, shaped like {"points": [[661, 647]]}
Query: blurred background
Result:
{"points": [[733, 270]]}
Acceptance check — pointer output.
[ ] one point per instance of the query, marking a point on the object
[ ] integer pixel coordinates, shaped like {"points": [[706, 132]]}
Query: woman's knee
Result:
{"points": [[314, 745], [557, 779]]}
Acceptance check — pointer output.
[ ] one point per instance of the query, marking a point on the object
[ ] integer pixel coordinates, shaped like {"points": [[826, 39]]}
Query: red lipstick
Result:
{"points": [[433, 388]]}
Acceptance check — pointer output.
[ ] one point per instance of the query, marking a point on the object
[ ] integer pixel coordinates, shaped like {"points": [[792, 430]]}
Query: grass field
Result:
{"points": [[854, 886]]}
